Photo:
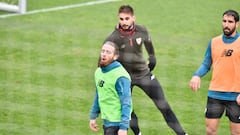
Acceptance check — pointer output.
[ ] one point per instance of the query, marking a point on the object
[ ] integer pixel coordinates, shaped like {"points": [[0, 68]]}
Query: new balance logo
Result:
{"points": [[227, 53], [100, 83]]}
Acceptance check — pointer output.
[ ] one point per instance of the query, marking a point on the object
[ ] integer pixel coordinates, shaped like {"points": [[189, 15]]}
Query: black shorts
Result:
{"points": [[215, 109], [113, 130]]}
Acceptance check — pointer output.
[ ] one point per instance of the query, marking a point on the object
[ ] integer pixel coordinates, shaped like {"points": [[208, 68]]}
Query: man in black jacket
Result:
{"points": [[130, 38]]}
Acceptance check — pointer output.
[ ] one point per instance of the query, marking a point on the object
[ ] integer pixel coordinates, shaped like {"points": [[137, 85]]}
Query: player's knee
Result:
{"points": [[211, 131], [235, 132]]}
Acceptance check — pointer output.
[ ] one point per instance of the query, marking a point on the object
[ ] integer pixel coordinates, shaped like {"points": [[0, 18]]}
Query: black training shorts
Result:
{"points": [[215, 109]]}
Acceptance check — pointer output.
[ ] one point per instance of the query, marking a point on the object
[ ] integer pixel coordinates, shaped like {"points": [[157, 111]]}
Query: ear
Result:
{"points": [[134, 17], [237, 24], [115, 57]]}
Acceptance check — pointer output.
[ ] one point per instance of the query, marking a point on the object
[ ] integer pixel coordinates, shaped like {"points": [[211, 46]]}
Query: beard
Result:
{"points": [[104, 62], [228, 32], [125, 27]]}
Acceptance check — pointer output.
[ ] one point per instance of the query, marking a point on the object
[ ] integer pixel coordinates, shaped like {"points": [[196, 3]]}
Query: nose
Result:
{"points": [[124, 21], [225, 24], [103, 53]]}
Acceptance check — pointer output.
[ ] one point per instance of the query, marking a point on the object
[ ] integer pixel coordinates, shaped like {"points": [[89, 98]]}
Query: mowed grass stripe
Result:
{"points": [[46, 111], [36, 124], [59, 8], [50, 97], [13, 128], [28, 129], [42, 117], [43, 110], [44, 90], [27, 70]]}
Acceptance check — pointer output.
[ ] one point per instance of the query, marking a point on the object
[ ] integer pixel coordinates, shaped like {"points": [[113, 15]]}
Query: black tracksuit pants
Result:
{"points": [[150, 85]]}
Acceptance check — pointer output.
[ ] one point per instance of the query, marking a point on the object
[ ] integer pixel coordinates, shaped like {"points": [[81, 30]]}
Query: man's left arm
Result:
{"points": [[150, 50], [123, 85]]}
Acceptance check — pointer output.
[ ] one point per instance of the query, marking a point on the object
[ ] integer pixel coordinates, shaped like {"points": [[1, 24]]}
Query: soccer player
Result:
{"points": [[223, 55], [131, 38], [113, 94]]}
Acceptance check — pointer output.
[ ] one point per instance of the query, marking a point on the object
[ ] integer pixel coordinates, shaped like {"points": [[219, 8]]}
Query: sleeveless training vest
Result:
{"points": [[108, 100], [226, 65]]}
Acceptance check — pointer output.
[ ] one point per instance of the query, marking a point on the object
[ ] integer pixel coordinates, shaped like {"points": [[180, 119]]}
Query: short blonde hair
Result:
{"points": [[115, 46]]}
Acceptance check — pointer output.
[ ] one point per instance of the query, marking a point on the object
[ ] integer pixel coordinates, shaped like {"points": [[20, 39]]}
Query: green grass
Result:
{"points": [[10, 1], [47, 62]]}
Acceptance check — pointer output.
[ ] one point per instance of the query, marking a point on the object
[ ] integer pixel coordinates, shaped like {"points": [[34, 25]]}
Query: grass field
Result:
{"points": [[47, 62]]}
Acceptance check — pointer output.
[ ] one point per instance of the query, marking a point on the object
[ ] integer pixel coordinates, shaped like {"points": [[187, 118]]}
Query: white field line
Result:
{"points": [[59, 8]]}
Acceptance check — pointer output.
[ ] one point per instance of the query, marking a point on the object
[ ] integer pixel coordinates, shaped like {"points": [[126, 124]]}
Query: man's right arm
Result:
{"points": [[195, 81], [206, 64], [95, 110]]}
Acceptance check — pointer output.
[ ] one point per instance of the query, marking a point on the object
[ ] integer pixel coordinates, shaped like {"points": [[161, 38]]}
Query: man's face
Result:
{"points": [[229, 25], [107, 55], [126, 20]]}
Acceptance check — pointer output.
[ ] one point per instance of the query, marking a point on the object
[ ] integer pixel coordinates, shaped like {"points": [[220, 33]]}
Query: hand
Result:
{"points": [[122, 132], [238, 99], [93, 125], [195, 83], [152, 62]]}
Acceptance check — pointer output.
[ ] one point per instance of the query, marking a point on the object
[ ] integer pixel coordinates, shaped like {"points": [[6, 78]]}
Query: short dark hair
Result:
{"points": [[126, 9], [232, 13], [116, 48]]}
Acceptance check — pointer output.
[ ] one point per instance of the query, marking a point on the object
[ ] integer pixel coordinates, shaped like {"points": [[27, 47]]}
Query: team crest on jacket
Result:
{"points": [[139, 41], [123, 46]]}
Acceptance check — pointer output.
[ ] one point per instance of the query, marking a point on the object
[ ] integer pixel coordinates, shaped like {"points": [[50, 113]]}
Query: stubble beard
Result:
{"points": [[229, 32]]}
